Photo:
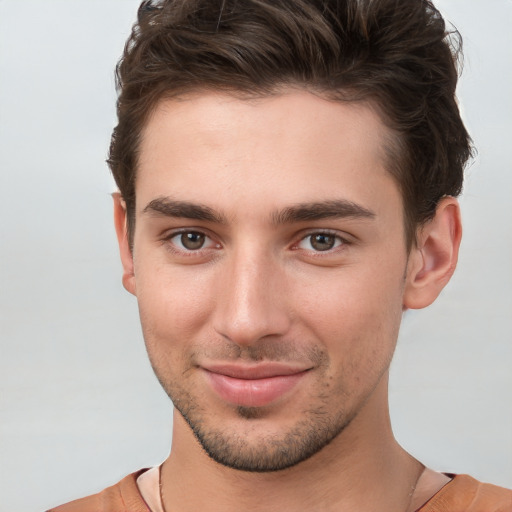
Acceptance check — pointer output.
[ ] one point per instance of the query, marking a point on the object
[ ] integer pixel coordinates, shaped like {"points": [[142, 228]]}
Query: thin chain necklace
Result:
{"points": [[411, 494], [160, 488], [413, 489]]}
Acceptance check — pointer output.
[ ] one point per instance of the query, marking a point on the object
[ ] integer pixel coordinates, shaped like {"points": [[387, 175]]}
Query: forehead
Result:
{"points": [[293, 147]]}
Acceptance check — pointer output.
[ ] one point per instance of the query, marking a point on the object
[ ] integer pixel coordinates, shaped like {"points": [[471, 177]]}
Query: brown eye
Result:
{"points": [[192, 240], [322, 241]]}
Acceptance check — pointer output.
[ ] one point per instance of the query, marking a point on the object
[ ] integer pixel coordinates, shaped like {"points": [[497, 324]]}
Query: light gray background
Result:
{"points": [[79, 405]]}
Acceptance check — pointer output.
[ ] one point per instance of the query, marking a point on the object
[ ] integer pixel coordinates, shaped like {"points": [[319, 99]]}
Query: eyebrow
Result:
{"points": [[332, 209], [302, 212], [168, 207]]}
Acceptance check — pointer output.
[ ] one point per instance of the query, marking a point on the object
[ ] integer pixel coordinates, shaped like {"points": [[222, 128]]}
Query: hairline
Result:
{"points": [[392, 147]]}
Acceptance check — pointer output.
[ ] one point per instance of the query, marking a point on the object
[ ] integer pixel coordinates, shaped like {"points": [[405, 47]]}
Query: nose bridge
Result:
{"points": [[250, 301]]}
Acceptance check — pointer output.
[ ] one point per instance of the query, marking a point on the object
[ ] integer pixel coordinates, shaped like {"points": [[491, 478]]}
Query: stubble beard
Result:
{"points": [[272, 453], [267, 453], [251, 447]]}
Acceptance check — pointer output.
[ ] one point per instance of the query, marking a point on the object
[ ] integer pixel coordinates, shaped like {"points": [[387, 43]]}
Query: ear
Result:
{"points": [[433, 259], [124, 242]]}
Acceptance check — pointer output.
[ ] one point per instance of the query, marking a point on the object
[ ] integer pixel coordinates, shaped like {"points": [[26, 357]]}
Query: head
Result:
{"points": [[397, 56], [286, 171]]}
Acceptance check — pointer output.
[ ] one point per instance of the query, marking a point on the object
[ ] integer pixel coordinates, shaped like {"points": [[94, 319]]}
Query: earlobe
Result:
{"points": [[124, 242], [434, 258]]}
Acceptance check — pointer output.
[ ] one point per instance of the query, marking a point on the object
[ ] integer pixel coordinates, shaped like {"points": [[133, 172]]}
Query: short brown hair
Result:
{"points": [[396, 54]]}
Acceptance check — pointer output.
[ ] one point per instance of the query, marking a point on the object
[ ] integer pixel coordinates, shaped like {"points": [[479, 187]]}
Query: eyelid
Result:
{"points": [[345, 240], [169, 235]]}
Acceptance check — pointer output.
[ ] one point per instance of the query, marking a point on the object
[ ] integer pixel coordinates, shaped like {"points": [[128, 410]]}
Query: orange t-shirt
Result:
{"points": [[462, 494]]}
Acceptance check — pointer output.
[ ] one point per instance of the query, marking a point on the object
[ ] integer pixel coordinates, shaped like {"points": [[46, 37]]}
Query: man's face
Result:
{"points": [[269, 266]]}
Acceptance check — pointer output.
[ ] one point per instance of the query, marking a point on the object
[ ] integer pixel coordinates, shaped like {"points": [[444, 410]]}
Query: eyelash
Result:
{"points": [[172, 246], [340, 242]]}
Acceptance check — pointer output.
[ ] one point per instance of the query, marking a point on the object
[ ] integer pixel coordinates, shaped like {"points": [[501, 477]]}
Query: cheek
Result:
{"points": [[174, 305], [356, 316]]}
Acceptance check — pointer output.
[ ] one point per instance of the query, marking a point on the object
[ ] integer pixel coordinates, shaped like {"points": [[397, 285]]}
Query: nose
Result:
{"points": [[252, 302]]}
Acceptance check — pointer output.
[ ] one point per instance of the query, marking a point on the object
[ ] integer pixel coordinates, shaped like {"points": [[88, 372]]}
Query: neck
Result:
{"points": [[362, 469]]}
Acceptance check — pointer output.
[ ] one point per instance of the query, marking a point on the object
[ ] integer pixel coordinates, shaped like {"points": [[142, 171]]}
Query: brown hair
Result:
{"points": [[395, 54]]}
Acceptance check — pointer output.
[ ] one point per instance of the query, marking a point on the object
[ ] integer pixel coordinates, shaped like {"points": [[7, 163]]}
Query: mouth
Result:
{"points": [[253, 385]]}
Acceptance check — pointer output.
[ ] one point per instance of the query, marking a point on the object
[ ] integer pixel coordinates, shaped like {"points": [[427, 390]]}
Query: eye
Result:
{"points": [[320, 242], [191, 241]]}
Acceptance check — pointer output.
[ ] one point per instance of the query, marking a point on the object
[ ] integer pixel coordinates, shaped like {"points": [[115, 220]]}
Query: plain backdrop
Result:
{"points": [[79, 405]]}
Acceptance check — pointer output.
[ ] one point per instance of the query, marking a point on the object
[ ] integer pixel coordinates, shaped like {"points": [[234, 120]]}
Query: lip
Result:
{"points": [[253, 385]]}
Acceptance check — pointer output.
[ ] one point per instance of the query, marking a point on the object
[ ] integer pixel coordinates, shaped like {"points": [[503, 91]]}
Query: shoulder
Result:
{"points": [[122, 497], [465, 494]]}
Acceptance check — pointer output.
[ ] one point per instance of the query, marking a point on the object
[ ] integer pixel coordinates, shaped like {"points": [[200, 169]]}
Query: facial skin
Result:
{"points": [[271, 270]]}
